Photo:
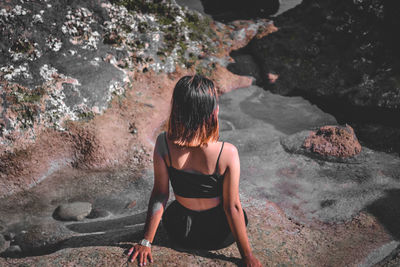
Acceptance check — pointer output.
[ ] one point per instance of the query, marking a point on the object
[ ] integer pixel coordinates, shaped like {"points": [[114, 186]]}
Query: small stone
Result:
{"points": [[14, 249], [3, 243], [9, 236], [75, 211], [97, 213]]}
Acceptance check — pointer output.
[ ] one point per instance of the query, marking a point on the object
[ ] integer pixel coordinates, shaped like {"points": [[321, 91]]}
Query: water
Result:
{"points": [[286, 5]]}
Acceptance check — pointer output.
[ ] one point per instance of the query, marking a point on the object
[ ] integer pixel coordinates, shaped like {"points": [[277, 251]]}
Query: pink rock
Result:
{"points": [[337, 141]]}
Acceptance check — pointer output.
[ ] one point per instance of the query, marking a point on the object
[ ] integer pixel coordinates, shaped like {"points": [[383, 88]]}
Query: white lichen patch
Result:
{"points": [[57, 111], [8, 16], [115, 89], [37, 18], [53, 43], [49, 73], [158, 41], [10, 72], [77, 25], [30, 51]]}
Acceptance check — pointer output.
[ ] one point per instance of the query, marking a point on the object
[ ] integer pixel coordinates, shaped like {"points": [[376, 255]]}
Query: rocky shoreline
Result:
{"points": [[342, 57], [75, 181]]}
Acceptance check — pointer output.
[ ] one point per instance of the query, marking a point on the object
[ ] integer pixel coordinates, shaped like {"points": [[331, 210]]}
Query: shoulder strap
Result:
{"points": [[166, 143], [219, 155]]}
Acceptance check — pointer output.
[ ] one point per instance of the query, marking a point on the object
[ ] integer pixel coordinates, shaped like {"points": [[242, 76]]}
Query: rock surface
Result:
{"points": [[75, 91], [332, 49], [342, 56], [302, 211], [75, 211], [3, 243]]}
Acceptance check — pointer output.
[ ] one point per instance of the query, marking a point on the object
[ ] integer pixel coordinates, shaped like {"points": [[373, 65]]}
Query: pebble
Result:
{"points": [[9, 236], [3, 243], [14, 249], [75, 211]]}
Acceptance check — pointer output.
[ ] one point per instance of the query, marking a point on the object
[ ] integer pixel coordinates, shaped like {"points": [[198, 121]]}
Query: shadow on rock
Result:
{"points": [[120, 232], [387, 211], [100, 233], [101, 226]]}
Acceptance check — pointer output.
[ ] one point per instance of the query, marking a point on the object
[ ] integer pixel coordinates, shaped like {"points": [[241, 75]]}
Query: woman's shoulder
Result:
{"points": [[229, 151], [160, 145]]}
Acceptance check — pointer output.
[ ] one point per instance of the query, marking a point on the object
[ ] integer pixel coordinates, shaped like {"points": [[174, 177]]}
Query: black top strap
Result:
{"points": [[219, 155], [166, 143]]}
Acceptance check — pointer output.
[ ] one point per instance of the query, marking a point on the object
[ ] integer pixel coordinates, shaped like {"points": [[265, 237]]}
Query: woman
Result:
{"points": [[204, 174]]}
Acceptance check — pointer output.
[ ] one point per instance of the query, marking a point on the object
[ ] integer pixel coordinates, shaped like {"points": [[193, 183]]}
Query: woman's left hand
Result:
{"points": [[141, 253]]}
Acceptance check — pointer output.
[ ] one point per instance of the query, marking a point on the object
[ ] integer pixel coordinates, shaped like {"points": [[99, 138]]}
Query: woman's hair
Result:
{"points": [[193, 120]]}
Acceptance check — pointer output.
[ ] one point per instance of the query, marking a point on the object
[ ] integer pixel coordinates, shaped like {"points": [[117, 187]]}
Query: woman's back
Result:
{"points": [[196, 173], [201, 160]]}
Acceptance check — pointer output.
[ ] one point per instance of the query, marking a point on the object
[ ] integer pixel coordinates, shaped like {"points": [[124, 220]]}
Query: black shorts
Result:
{"points": [[208, 229]]}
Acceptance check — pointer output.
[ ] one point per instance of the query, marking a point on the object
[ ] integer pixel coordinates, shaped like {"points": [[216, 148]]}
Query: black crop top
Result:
{"points": [[195, 185]]}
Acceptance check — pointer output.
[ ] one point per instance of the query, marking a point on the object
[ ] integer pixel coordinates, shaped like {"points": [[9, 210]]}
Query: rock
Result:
{"points": [[337, 141], [75, 211], [3, 243], [9, 236], [244, 65], [98, 213], [333, 50], [41, 237], [14, 249], [228, 10]]}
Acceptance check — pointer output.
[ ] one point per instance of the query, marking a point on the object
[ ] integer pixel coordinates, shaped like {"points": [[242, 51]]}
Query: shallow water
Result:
{"points": [[286, 5]]}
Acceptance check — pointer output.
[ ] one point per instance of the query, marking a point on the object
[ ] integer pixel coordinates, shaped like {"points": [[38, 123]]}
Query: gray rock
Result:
{"points": [[75, 211], [3, 243], [37, 236], [9, 236], [13, 249]]}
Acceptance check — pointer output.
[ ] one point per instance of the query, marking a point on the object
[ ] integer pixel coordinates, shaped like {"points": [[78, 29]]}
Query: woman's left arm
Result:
{"points": [[158, 200], [233, 208]]}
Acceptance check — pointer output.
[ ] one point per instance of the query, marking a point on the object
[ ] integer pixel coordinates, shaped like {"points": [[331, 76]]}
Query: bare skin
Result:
{"points": [[201, 160]]}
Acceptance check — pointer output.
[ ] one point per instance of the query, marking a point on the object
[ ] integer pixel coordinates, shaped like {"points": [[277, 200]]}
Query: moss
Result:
{"points": [[22, 46], [23, 95], [113, 38], [27, 115], [143, 26], [85, 116], [173, 33]]}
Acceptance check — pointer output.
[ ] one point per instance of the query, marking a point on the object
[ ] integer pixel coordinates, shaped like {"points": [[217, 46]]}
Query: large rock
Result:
{"points": [[75, 211], [337, 141], [80, 89], [333, 50], [228, 10]]}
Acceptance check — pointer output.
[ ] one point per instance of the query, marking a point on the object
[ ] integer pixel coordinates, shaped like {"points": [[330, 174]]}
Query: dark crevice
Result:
{"points": [[376, 128], [229, 10]]}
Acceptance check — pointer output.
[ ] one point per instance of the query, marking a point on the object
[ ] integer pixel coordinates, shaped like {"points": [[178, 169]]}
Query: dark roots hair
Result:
{"points": [[193, 120]]}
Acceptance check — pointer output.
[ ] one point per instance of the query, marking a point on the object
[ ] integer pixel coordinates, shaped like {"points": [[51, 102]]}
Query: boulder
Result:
{"points": [[3, 243], [329, 50], [75, 211], [337, 141], [229, 10], [12, 250]]}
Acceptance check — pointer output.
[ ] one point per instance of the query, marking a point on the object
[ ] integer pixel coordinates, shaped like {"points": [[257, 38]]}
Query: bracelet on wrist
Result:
{"points": [[145, 242]]}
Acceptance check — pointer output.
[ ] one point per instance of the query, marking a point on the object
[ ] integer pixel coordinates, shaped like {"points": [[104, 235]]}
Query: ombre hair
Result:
{"points": [[194, 119]]}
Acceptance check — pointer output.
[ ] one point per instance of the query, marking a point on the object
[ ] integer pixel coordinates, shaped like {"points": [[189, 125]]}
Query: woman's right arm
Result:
{"points": [[158, 200], [232, 206]]}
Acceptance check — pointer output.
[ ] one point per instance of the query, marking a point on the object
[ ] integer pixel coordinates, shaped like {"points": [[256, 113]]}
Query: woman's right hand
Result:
{"points": [[251, 261], [141, 253]]}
